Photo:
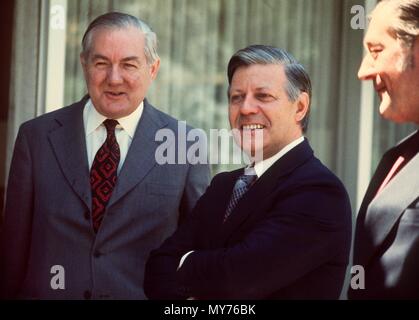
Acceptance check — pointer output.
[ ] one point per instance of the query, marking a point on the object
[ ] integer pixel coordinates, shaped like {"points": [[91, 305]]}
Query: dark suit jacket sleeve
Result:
{"points": [[197, 181], [16, 228], [306, 228], [160, 270]]}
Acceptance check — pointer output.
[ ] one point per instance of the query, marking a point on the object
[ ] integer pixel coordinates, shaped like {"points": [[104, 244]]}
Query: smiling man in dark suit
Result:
{"points": [[280, 228], [387, 228], [86, 196]]}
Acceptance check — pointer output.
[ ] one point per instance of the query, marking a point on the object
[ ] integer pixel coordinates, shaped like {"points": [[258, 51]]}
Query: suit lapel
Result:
{"points": [[264, 187], [378, 214], [141, 154], [385, 209], [69, 145], [382, 170]]}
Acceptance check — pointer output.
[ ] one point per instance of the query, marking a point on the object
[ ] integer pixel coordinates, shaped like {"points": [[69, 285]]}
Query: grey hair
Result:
{"points": [[298, 79], [406, 22], [118, 20]]}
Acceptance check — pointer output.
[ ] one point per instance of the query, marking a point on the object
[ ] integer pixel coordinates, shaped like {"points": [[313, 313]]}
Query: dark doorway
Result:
{"points": [[6, 35]]}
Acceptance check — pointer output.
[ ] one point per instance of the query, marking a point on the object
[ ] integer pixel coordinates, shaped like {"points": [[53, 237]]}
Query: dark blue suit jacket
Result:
{"points": [[288, 238]]}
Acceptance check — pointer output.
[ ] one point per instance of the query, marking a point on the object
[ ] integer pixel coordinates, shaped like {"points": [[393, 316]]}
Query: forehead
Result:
{"points": [[379, 29], [259, 75], [107, 39]]}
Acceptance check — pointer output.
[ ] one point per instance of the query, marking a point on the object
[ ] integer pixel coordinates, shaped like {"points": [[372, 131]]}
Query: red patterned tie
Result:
{"points": [[104, 173]]}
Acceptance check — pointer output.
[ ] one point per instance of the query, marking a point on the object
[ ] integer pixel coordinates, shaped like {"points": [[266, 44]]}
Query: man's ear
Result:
{"points": [[83, 62], [154, 69], [302, 105]]}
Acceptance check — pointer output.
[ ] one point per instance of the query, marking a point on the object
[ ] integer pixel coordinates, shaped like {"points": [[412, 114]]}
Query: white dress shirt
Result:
{"points": [[96, 132], [262, 166]]}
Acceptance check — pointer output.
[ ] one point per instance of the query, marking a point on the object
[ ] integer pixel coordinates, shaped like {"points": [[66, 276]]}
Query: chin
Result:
{"points": [[118, 110], [390, 115], [255, 154], [110, 112]]}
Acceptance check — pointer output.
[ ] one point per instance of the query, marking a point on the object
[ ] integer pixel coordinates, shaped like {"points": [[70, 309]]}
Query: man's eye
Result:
{"points": [[375, 52], [100, 64], [264, 97], [236, 98], [130, 66]]}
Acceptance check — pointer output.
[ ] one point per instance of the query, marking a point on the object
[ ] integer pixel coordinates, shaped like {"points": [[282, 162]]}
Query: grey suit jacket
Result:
{"points": [[387, 230], [47, 213]]}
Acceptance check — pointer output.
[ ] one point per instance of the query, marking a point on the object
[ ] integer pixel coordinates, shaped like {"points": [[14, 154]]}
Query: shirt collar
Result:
{"points": [[93, 119], [262, 166]]}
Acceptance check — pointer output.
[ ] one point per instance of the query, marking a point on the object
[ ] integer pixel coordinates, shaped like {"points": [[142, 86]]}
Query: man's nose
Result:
{"points": [[249, 106], [366, 69], [114, 75]]}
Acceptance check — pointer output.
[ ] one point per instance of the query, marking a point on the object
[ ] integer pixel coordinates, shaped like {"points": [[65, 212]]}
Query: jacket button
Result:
{"points": [[97, 254], [87, 295], [87, 215]]}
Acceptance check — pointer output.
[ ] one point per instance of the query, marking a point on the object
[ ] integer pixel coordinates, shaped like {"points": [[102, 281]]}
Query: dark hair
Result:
{"points": [[298, 78]]}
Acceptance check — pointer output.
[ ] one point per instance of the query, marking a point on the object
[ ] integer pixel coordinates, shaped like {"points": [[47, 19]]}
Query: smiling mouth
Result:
{"points": [[252, 127], [114, 94], [380, 87]]}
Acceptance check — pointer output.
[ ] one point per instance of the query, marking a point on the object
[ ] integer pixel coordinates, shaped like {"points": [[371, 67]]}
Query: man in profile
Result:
{"points": [[277, 229], [387, 228]]}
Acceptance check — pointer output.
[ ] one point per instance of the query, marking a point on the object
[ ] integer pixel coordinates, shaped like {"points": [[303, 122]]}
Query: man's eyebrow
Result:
{"points": [[256, 89], [262, 88], [236, 91], [99, 57], [131, 58], [372, 44]]}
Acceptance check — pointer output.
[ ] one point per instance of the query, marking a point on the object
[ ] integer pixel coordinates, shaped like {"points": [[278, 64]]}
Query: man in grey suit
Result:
{"points": [[387, 229], [87, 199]]}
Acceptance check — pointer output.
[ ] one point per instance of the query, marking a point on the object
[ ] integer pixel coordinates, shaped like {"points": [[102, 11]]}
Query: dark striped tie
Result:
{"points": [[242, 185]]}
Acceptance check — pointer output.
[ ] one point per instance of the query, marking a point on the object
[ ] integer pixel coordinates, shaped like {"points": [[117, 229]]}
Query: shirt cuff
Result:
{"points": [[182, 260]]}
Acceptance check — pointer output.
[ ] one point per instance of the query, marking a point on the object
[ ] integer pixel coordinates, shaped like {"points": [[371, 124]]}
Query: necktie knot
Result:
{"points": [[249, 176], [241, 186], [110, 125]]}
